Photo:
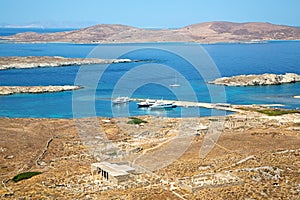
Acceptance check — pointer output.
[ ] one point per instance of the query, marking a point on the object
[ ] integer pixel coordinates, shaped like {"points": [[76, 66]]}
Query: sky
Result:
{"points": [[147, 13]]}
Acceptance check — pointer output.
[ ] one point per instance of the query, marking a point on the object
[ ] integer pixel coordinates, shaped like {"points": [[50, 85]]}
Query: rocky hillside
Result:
{"points": [[209, 32]]}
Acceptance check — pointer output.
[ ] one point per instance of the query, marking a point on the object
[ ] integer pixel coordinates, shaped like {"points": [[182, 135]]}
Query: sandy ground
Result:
{"points": [[271, 141]]}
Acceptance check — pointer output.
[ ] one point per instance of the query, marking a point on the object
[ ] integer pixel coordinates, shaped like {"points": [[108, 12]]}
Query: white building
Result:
{"points": [[112, 172]]}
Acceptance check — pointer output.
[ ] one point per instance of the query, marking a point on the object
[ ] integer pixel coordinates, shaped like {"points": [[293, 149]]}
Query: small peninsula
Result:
{"points": [[9, 90], [257, 80], [17, 62]]}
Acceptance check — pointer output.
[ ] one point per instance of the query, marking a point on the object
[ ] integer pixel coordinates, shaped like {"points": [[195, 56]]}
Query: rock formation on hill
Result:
{"points": [[209, 32]]}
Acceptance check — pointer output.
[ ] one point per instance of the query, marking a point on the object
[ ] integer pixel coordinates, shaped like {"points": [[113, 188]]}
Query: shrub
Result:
{"points": [[271, 111], [25, 175], [135, 120], [277, 112]]}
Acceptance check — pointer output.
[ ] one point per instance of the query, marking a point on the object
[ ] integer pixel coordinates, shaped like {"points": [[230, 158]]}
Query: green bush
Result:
{"points": [[25, 175], [277, 112], [271, 111], [135, 120]]}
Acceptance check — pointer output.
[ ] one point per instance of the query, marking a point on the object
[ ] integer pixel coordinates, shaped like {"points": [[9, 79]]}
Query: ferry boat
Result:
{"points": [[147, 103], [162, 105]]}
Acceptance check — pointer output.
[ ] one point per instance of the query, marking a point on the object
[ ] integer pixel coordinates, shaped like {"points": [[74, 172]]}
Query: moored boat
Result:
{"points": [[175, 84], [147, 103], [121, 100], [162, 105]]}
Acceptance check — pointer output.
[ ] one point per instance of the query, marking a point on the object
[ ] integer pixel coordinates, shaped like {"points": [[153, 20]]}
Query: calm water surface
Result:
{"points": [[230, 59]]}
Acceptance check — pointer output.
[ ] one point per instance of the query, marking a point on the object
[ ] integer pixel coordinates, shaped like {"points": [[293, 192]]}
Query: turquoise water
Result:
{"points": [[230, 59]]}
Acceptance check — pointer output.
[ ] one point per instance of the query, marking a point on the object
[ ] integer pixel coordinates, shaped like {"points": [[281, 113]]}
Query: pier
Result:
{"points": [[218, 106]]}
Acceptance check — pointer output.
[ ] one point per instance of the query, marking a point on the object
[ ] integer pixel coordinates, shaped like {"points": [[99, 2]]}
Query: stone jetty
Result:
{"points": [[257, 80]]}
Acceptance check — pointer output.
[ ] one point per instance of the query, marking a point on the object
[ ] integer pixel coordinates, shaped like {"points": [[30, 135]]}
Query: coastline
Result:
{"points": [[8, 41]]}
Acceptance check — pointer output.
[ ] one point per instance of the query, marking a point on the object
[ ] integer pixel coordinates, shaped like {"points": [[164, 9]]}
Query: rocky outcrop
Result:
{"points": [[209, 32], [257, 80], [51, 61], [8, 90]]}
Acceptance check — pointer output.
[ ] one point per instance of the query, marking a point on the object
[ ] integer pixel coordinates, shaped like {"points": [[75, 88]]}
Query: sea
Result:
{"points": [[157, 66]]}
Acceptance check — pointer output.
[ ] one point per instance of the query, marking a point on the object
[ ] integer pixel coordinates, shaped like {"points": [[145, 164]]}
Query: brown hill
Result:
{"points": [[209, 32], [231, 32]]}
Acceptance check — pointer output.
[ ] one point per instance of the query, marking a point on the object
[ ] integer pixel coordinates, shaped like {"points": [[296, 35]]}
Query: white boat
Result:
{"points": [[175, 84], [147, 103], [121, 100], [162, 105]]}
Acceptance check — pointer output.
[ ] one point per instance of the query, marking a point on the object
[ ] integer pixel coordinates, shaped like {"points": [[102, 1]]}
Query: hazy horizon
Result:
{"points": [[154, 14], [79, 25]]}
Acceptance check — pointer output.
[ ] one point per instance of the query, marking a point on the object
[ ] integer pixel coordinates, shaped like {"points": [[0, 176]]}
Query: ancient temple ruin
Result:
{"points": [[115, 173]]}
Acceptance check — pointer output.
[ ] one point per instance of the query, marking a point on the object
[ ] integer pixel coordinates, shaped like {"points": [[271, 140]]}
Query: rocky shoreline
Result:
{"points": [[257, 80], [9, 90], [17, 62]]}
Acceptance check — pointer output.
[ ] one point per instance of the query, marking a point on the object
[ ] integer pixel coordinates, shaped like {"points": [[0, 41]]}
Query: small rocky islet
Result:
{"points": [[257, 80], [27, 62], [9, 90]]}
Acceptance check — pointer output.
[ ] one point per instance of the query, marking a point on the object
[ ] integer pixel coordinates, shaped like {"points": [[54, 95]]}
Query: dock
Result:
{"points": [[218, 106], [189, 104]]}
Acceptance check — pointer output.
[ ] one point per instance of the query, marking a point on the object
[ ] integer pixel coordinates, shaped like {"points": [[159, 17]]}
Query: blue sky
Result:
{"points": [[149, 13]]}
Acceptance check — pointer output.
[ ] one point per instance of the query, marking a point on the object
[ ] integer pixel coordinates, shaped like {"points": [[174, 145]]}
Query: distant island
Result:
{"points": [[17, 62], [257, 80], [208, 32]]}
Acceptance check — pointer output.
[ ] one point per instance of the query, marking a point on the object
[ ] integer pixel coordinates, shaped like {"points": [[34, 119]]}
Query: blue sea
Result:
{"points": [[161, 64]]}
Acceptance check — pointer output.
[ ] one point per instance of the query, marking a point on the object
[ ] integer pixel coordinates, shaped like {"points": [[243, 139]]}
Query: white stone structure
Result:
{"points": [[115, 173]]}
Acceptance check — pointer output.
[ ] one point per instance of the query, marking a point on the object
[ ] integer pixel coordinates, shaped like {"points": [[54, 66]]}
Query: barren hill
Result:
{"points": [[209, 32]]}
